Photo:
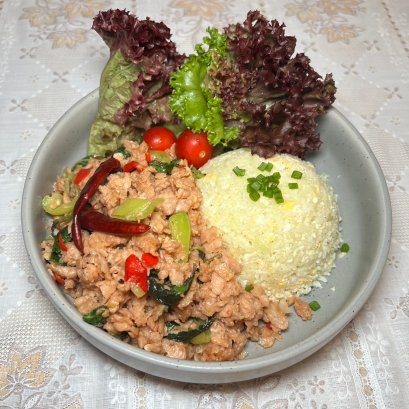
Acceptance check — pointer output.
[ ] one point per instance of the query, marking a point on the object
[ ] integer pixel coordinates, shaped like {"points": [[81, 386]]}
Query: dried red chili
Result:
{"points": [[100, 175], [91, 219]]}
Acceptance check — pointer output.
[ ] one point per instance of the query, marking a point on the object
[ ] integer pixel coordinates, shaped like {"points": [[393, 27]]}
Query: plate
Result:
{"points": [[365, 208]]}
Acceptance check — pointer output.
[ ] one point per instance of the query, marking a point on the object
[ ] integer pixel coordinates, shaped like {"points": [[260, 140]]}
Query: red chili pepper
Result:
{"points": [[148, 157], [133, 165], [58, 279], [150, 260], [99, 176], [81, 175], [61, 243], [136, 272], [91, 219]]}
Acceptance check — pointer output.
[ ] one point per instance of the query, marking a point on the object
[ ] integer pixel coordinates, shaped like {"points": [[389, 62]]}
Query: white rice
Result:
{"points": [[287, 248]]}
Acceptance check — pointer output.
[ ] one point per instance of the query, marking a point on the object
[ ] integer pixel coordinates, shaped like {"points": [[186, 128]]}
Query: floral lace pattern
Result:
{"points": [[51, 58], [331, 18], [65, 24]]}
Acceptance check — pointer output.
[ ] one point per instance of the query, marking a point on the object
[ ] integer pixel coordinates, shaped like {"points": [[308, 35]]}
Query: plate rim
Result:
{"points": [[220, 372]]}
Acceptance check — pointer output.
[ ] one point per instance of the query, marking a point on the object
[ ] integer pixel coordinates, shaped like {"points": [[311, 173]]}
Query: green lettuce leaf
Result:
{"points": [[191, 99], [114, 92]]}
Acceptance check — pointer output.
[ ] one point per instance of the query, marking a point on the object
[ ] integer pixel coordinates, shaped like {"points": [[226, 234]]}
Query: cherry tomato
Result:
{"points": [[194, 147], [159, 138]]}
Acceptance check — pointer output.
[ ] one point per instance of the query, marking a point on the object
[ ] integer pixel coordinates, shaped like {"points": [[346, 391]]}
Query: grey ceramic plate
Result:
{"points": [[365, 208]]}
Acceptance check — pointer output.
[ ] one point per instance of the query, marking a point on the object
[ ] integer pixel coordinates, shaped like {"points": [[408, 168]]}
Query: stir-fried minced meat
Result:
{"points": [[97, 277]]}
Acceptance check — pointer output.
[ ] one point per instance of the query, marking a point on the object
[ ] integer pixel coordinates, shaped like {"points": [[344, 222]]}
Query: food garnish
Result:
{"points": [[238, 171], [244, 85], [296, 174], [93, 220], [134, 86], [93, 183], [314, 305], [344, 248], [159, 138], [194, 147]]}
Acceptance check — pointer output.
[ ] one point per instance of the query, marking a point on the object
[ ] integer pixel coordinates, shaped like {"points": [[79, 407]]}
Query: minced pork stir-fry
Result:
{"points": [[140, 261]]}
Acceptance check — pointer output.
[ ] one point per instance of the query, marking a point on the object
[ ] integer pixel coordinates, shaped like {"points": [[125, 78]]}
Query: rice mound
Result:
{"points": [[287, 248]]}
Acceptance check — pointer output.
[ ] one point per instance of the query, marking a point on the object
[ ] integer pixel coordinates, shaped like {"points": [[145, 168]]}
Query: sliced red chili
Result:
{"points": [[148, 157], [61, 243], [133, 165], [81, 175], [58, 279], [99, 177], [91, 219], [149, 259], [136, 272]]}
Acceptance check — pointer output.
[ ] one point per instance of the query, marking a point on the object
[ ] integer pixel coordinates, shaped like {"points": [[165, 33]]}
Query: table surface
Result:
{"points": [[49, 59]]}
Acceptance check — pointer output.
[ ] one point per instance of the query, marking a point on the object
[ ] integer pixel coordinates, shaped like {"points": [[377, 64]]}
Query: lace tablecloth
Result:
{"points": [[50, 59]]}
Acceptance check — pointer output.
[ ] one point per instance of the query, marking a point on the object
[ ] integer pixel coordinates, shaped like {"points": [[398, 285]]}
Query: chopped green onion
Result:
{"points": [[314, 305], [278, 196], [296, 174], [345, 248], [238, 171], [293, 185], [265, 166], [269, 193], [249, 287], [256, 185], [276, 176], [254, 195]]}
